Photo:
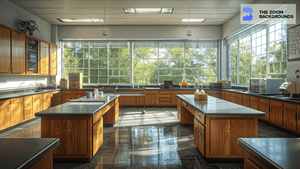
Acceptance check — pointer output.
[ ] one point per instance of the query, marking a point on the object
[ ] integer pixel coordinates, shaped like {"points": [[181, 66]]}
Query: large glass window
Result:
{"points": [[152, 62], [254, 54]]}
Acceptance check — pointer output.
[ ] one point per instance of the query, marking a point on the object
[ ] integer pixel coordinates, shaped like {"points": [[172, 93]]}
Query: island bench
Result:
{"points": [[79, 126], [218, 124]]}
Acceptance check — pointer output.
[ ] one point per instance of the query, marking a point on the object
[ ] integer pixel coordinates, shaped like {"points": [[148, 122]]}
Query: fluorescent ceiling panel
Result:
{"points": [[147, 10], [72, 20], [193, 20]]}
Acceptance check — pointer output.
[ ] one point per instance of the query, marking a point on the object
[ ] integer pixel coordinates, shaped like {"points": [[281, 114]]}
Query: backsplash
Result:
{"points": [[21, 81]]}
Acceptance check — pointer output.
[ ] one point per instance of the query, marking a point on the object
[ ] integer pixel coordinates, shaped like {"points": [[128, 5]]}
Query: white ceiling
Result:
{"points": [[216, 12]]}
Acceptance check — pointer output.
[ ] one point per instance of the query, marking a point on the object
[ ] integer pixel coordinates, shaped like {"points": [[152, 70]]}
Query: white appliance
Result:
{"points": [[265, 85], [290, 88]]}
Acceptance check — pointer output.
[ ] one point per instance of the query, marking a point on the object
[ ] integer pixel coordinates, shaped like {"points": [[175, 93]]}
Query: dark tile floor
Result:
{"points": [[153, 140]]}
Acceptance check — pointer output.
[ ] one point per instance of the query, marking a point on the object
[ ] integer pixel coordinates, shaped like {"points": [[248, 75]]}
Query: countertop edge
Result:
{"points": [[221, 114], [40, 155], [256, 154]]}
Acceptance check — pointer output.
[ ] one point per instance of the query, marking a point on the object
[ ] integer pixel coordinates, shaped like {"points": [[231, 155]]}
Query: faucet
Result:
{"points": [[29, 89]]}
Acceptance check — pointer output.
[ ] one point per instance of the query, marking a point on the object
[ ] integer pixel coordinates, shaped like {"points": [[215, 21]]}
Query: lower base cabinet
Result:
{"points": [[252, 163], [199, 136], [45, 163], [16, 113], [97, 136], [4, 117]]}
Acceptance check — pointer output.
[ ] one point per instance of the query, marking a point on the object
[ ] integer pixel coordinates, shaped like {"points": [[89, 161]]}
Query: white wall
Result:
{"points": [[9, 16], [233, 26], [139, 32]]}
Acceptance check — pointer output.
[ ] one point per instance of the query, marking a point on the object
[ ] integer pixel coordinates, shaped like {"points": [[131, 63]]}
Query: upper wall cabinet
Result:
{"points": [[32, 57], [4, 51], [17, 53], [44, 58], [53, 59]]}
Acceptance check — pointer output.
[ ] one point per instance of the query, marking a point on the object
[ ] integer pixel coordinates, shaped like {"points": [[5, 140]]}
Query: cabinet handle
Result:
{"points": [[200, 117], [252, 99], [270, 109], [295, 115], [28, 104], [184, 103]]}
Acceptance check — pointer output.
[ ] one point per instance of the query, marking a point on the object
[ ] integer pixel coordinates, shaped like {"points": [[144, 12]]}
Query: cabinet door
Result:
{"points": [[246, 103], [116, 112], [179, 112], [253, 105], [196, 132], [18, 53], [264, 108], [36, 105], [16, 113], [4, 50], [128, 100], [5, 117], [140, 100], [96, 137], [290, 119], [44, 58], [53, 60], [46, 101], [239, 101], [233, 99], [201, 138], [173, 99], [276, 115], [227, 98], [152, 99]]}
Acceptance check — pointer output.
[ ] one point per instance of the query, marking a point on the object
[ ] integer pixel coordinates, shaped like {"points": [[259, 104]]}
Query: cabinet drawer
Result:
{"points": [[97, 117], [252, 98], [165, 92], [183, 103], [192, 109], [17, 100], [164, 99], [4, 103], [246, 97], [164, 95], [27, 105], [263, 100], [276, 103], [27, 99], [227, 93], [233, 94], [290, 106], [165, 103], [38, 96], [199, 116], [253, 105], [222, 92], [212, 92], [151, 92], [239, 96], [28, 113]]}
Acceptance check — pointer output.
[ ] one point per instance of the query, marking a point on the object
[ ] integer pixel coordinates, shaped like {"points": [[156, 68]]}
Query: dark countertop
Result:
{"points": [[90, 108], [273, 152], [272, 97], [23, 94], [24, 153], [174, 88], [215, 106]]}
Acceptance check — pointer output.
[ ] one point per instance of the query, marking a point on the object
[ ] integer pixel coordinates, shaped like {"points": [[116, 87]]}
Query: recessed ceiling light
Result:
{"points": [[72, 20], [192, 20], [148, 10]]}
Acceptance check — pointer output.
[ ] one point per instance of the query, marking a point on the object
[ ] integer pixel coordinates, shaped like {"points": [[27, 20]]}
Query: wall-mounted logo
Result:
{"points": [[249, 12]]}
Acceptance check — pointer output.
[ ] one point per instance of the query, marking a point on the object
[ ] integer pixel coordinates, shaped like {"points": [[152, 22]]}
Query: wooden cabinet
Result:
{"points": [[16, 112], [201, 138], [276, 112], [4, 50], [5, 116], [165, 98], [18, 53], [246, 100], [44, 58], [128, 100], [53, 59], [252, 163], [117, 112], [97, 136], [56, 98], [44, 163], [71, 94], [46, 101], [28, 114], [151, 98], [37, 103], [179, 112], [174, 97], [264, 106], [290, 116], [196, 123]]}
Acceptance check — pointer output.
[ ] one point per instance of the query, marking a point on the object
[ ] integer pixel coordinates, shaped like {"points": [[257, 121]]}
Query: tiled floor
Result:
{"points": [[151, 140]]}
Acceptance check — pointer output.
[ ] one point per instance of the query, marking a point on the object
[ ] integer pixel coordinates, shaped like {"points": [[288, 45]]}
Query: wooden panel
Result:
{"points": [[223, 92], [212, 92], [75, 134], [263, 100], [246, 97], [37, 105], [227, 93], [239, 101], [276, 115], [46, 102], [179, 100], [97, 117], [239, 96], [27, 99], [164, 99], [109, 117], [44, 163], [252, 98], [276, 103], [168, 92], [96, 137], [290, 106], [117, 100], [5, 117], [186, 116], [18, 53], [16, 113], [233, 94], [16, 100], [201, 138], [164, 96], [233, 99], [151, 99], [264, 107], [4, 103], [151, 92], [56, 99], [252, 163], [196, 123], [223, 133], [44, 58], [27, 113], [179, 112], [128, 100], [4, 50], [38, 96], [253, 105], [27, 105], [200, 117], [117, 109], [53, 59], [140, 100], [246, 103], [298, 107], [290, 119], [164, 103]]}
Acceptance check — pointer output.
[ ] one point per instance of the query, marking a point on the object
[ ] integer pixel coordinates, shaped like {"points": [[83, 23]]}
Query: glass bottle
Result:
{"points": [[184, 81]]}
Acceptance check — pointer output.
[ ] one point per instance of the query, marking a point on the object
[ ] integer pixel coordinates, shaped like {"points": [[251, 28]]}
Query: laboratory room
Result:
{"points": [[124, 84]]}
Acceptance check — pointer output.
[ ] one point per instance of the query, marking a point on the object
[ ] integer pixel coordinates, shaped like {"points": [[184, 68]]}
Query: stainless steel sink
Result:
{"points": [[153, 88]]}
